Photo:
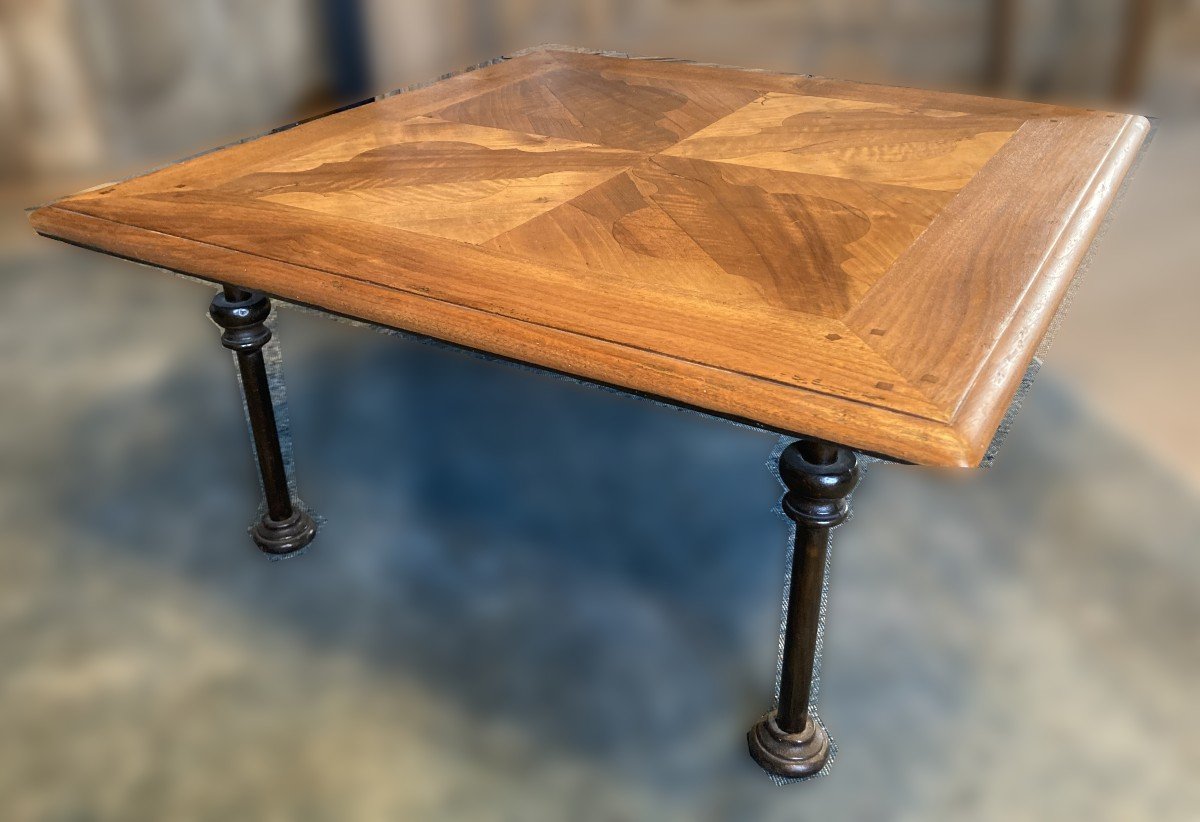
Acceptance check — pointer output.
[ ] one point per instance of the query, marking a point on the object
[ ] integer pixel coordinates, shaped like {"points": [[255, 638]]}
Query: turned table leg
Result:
{"points": [[286, 526], [819, 476]]}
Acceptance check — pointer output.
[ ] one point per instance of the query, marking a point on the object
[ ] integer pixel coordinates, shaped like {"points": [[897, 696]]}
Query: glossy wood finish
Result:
{"points": [[869, 265]]}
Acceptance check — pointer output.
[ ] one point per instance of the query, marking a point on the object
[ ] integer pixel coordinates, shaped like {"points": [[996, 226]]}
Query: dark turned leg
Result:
{"points": [[819, 476], [285, 527]]}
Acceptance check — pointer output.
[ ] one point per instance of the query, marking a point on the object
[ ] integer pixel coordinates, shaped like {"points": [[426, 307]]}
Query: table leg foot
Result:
{"points": [[285, 527], [819, 476], [286, 537], [791, 755]]}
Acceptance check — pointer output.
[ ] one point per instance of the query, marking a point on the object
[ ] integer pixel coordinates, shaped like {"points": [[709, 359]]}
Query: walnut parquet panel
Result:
{"points": [[445, 179], [701, 225], [853, 140], [870, 265], [598, 108]]}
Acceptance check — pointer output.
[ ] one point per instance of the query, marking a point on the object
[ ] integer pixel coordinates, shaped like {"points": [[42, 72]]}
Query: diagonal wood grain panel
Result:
{"points": [[812, 244], [598, 108], [327, 133], [445, 179], [853, 140], [866, 264]]}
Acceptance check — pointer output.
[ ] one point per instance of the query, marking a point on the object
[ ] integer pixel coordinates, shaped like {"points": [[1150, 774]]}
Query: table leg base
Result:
{"points": [[286, 537], [788, 755]]}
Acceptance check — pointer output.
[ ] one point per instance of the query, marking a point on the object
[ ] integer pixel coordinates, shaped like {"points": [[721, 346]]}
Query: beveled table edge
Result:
{"points": [[624, 367]]}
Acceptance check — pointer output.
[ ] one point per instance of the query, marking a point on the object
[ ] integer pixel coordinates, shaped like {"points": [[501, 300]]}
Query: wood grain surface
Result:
{"points": [[870, 265]]}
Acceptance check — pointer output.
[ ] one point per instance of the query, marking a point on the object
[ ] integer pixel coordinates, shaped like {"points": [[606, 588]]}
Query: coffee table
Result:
{"points": [[865, 268]]}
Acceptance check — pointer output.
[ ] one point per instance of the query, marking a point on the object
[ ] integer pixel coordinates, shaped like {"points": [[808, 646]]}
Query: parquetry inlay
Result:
{"points": [[872, 265]]}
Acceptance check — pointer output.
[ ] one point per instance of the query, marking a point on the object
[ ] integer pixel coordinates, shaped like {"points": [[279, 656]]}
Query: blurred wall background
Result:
{"points": [[509, 625]]}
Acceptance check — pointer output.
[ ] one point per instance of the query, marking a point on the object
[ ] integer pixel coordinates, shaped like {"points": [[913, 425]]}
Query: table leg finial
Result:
{"points": [[285, 527], [819, 476]]}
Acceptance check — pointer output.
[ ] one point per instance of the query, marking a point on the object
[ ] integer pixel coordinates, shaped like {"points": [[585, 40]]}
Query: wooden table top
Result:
{"points": [[870, 265]]}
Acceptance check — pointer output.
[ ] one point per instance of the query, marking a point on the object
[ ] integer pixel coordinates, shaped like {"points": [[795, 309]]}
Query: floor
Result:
{"points": [[534, 600]]}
